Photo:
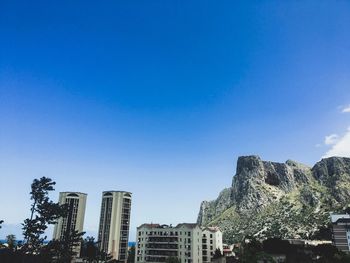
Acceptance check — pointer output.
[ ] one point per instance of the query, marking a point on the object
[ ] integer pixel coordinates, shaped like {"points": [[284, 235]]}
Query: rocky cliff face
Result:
{"points": [[288, 199]]}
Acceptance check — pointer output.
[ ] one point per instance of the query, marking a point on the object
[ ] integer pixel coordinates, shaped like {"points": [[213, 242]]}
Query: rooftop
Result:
{"points": [[151, 225], [341, 217]]}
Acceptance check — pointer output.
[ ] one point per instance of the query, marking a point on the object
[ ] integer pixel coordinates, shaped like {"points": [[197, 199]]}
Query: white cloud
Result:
{"points": [[346, 109], [341, 147], [331, 139]]}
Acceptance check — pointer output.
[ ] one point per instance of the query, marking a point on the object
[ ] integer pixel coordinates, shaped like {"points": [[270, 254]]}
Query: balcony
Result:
{"points": [[155, 259], [162, 239], [159, 253], [162, 246]]}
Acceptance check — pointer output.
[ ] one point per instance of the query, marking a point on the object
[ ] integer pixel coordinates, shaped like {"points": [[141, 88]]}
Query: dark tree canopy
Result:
{"points": [[217, 254], [131, 255], [42, 213]]}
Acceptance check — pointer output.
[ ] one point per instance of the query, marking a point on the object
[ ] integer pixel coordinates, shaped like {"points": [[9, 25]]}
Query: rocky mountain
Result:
{"points": [[289, 200]]}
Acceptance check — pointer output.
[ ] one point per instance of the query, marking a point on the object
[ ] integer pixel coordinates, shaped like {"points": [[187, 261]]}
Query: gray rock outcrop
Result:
{"points": [[286, 199]]}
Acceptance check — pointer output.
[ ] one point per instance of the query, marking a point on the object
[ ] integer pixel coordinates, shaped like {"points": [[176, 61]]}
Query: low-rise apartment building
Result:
{"points": [[156, 243]]}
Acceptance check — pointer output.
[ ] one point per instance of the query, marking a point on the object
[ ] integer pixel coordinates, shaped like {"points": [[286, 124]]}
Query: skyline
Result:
{"points": [[160, 99]]}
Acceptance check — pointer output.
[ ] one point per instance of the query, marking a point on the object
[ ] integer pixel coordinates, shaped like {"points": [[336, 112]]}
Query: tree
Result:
{"points": [[323, 233], [251, 250], [65, 249], [89, 250], [11, 242], [1, 221], [104, 257], [217, 254], [42, 213], [131, 254], [91, 253], [276, 246]]}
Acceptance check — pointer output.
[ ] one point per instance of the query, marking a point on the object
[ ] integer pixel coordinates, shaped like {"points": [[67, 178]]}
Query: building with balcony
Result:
{"points": [[211, 240], [156, 243], [113, 233], [341, 231]]}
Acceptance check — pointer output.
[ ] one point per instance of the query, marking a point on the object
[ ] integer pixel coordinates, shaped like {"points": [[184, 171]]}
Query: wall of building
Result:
{"points": [[155, 243], [114, 223], [211, 240], [74, 220]]}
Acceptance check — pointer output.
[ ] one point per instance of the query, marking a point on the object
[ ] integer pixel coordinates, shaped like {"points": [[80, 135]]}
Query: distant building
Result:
{"points": [[156, 243], [74, 220], [341, 231], [228, 250], [211, 240], [113, 233]]}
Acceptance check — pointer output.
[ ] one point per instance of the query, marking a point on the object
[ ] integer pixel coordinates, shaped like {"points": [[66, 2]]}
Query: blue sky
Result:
{"points": [[160, 97]]}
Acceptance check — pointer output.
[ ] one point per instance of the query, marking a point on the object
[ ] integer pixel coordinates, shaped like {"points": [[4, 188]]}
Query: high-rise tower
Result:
{"points": [[113, 234], [74, 220]]}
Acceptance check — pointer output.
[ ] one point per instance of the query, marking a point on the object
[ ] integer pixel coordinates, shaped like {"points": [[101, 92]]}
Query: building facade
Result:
{"points": [[211, 240], [156, 243], [341, 231], [113, 233], [74, 220]]}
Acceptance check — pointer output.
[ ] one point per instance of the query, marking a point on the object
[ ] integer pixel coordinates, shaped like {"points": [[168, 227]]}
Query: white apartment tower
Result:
{"points": [[113, 233], [74, 220], [156, 243]]}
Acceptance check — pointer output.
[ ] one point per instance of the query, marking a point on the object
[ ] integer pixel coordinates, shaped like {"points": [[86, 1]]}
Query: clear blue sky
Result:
{"points": [[160, 97]]}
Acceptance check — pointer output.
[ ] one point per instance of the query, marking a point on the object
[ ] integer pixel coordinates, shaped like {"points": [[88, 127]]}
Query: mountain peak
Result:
{"points": [[267, 197], [249, 162]]}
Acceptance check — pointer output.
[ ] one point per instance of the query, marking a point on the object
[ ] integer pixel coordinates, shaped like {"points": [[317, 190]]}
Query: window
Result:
{"points": [[189, 234], [211, 235], [211, 241]]}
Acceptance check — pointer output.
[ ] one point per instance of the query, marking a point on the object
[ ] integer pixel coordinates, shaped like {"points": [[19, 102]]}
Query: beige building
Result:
{"points": [[156, 243], [212, 240], [74, 220], [113, 233]]}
